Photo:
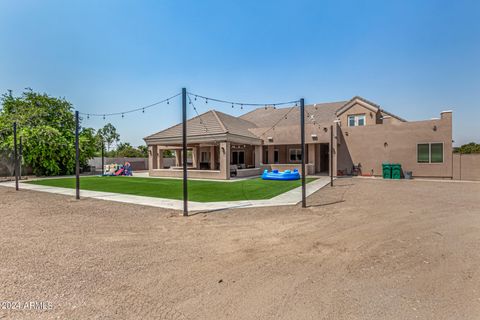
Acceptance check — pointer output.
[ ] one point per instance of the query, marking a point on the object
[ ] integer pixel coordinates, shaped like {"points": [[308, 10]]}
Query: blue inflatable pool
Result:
{"points": [[285, 175]]}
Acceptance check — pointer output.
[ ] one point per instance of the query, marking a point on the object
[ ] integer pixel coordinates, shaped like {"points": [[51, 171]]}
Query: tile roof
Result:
{"points": [[267, 117], [209, 123]]}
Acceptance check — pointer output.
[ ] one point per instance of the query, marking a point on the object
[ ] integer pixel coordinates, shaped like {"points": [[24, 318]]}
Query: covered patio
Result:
{"points": [[219, 146], [208, 160]]}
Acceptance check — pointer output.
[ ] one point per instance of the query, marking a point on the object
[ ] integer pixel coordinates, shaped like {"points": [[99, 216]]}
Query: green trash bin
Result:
{"points": [[387, 171], [396, 171]]}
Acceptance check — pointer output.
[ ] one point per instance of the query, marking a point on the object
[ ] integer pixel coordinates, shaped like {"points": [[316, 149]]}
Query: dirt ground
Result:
{"points": [[364, 249]]}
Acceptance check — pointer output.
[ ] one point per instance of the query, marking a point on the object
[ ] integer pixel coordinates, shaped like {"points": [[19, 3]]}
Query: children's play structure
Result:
{"points": [[116, 169], [285, 175]]}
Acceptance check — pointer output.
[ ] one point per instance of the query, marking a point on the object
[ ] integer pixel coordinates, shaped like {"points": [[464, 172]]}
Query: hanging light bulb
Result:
{"points": [[88, 116], [103, 117], [195, 98], [122, 115], [232, 105], [143, 110], [168, 101], [206, 101]]}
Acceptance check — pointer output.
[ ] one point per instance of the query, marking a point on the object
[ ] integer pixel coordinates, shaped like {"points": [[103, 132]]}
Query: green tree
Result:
{"points": [[144, 150], [125, 149], [109, 135], [47, 127], [471, 147]]}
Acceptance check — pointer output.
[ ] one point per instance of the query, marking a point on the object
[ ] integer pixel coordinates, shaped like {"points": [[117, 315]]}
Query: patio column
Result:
{"points": [[178, 156], [258, 156], [150, 157], [271, 154], [195, 158], [224, 158], [153, 162], [159, 158], [311, 153], [212, 158]]}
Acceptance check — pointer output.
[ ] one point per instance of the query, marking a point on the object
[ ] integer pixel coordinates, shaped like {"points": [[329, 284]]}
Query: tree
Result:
{"points": [[127, 150], [471, 147], [47, 127], [109, 135], [144, 150]]}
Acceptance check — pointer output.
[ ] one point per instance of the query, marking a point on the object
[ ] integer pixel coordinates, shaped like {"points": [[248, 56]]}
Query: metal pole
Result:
{"points": [[331, 156], [77, 159], [20, 155], [15, 154], [184, 138], [103, 155], [302, 139]]}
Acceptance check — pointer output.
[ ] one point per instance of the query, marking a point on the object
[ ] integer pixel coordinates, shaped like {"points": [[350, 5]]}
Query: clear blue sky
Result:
{"points": [[414, 58]]}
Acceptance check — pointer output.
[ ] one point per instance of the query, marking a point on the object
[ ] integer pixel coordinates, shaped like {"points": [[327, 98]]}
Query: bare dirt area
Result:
{"points": [[364, 249]]}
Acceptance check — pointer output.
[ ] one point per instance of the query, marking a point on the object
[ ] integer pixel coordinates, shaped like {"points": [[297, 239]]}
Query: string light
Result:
{"points": [[241, 103]]}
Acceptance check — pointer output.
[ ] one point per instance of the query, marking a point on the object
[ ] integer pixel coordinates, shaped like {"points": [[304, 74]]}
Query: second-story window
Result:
{"points": [[356, 120]]}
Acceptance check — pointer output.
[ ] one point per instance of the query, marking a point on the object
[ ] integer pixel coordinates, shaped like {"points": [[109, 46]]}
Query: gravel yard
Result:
{"points": [[364, 249]]}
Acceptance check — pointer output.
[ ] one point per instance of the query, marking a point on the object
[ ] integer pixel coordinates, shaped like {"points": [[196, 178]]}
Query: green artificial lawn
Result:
{"points": [[201, 191]]}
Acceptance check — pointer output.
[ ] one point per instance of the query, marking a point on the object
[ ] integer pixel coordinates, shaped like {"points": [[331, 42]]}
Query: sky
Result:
{"points": [[415, 58]]}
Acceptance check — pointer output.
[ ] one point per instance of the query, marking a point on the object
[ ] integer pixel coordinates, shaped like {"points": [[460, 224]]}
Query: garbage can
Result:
{"points": [[407, 174], [396, 171], [387, 171]]}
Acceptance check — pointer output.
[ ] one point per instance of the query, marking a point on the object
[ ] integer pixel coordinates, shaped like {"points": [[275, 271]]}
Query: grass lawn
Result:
{"points": [[201, 191]]}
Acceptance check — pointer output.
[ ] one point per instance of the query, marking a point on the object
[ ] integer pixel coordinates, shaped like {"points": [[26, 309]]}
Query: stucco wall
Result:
{"points": [[396, 143], [370, 116], [466, 166]]}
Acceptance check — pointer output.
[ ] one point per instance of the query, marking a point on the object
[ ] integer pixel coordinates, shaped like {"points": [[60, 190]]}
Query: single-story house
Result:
{"points": [[364, 137]]}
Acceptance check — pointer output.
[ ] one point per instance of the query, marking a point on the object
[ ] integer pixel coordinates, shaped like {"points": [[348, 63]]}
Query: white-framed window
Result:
{"points": [[430, 152], [295, 155], [356, 120]]}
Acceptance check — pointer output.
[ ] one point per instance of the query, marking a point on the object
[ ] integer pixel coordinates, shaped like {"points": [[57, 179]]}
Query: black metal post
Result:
{"points": [[77, 159], [331, 156], [20, 156], [302, 139], [103, 155], [184, 156], [15, 154]]}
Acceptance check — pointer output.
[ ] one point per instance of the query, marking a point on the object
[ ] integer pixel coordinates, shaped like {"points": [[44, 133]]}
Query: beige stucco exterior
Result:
{"points": [[385, 138]]}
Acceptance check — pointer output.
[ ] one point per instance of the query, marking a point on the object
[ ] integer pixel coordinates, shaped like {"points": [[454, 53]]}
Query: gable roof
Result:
{"points": [[367, 104], [267, 117], [211, 122]]}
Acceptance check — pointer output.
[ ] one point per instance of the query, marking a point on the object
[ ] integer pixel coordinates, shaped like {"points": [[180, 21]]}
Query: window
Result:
{"points": [[356, 120], [436, 153], [430, 153], [238, 157], [205, 156], [295, 155], [276, 156]]}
